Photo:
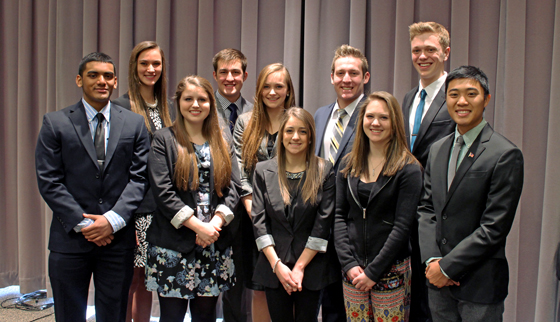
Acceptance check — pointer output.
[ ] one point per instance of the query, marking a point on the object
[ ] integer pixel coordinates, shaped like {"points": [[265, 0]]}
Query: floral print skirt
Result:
{"points": [[203, 272]]}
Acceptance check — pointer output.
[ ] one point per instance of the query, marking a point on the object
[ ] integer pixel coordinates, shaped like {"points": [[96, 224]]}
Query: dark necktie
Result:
{"points": [[232, 116], [99, 141], [338, 131], [418, 118], [453, 162]]}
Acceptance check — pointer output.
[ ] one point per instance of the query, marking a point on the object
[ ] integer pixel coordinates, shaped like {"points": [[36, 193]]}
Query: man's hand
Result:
{"points": [[436, 277], [100, 232]]}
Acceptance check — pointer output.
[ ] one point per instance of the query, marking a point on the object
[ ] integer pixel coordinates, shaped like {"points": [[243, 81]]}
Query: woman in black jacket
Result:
{"points": [[147, 96], [378, 190], [292, 211], [189, 252]]}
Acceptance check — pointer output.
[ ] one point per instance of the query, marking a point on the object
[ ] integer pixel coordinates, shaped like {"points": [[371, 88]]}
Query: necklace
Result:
{"points": [[377, 166], [152, 105]]}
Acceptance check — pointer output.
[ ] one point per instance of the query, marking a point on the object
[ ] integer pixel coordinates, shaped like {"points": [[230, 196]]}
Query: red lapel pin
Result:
{"points": [[471, 155]]}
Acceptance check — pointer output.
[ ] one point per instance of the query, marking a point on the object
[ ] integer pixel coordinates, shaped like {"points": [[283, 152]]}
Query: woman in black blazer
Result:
{"points": [[147, 96], [292, 211], [189, 252], [378, 190]]}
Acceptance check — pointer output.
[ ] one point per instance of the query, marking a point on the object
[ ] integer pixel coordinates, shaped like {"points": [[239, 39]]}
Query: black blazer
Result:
{"points": [[436, 124], [148, 204], [269, 218], [468, 225], [71, 184], [376, 238], [322, 117], [170, 199]]}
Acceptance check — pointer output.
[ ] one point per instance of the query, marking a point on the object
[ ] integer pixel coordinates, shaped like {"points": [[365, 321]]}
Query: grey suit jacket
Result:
{"points": [[247, 107], [70, 181], [468, 225], [436, 124]]}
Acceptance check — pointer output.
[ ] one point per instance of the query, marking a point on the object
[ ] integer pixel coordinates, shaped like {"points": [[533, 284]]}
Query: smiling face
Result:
{"points": [[428, 57], [230, 78], [275, 90], [194, 105], [377, 123], [348, 79], [149, 66], [295, 137], [97, 82], [466, 103]]}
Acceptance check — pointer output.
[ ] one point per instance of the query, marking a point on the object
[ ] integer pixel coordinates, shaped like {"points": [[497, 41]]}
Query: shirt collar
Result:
{"points": [[350, 108], [225, 103], [92, 112], [433, 88], [472, 134]]}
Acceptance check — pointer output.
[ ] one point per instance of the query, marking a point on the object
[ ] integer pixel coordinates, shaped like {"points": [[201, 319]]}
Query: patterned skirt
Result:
{"points": [[203, 272], [141, 223], [387, 301]]}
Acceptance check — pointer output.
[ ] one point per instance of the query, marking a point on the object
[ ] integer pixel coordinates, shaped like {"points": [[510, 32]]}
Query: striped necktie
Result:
{"points": [[338, 131]]}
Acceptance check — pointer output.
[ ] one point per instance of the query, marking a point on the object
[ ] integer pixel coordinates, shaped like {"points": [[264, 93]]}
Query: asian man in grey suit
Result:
{"points": [[91, 170], [426, 121], [472, 185]]}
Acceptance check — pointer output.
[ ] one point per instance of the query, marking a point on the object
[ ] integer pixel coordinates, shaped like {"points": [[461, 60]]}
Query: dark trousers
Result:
{"points": [[70, 276], [446, 308], [419, 307], [234, 301], [298, 307], [332, 300]]}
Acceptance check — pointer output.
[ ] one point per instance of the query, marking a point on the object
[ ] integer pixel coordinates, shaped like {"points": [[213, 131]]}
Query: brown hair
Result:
{"points": [[420, 28], [186, 167], [397, 154], [315, 165], [228, 55], [349, 51], [137, 104], [260, 121]]}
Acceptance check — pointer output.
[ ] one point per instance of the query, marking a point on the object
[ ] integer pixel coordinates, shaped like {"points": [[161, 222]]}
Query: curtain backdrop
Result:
{"points": [[516, 42]]}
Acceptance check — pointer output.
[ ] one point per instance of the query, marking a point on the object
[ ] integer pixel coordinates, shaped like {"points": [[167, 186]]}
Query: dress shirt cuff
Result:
{"points": [[181, 216], [116, 221], [318, 244], [83, 224], [228, 214], [431, 259], [441, 269], [264, 241]]}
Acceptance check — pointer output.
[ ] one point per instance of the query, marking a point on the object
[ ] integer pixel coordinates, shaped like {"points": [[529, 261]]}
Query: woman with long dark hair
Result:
{"points": [[147, 96], [189, 252], [378, 190], [292, 211]]}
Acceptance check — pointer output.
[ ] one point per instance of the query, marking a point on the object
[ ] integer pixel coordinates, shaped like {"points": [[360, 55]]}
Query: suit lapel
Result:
{"points": [[472, 155], [349, 131], [79, 119], [406, 114], [436, 105], [381, 182], [275, 197], [117, 124], [439, 168], [321, 126]]}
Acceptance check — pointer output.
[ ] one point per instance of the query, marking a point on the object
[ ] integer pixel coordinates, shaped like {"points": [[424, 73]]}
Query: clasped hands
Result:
{"points": [[435, 275], [208, 233], [359, 279], [290, 279], [100, 232]]}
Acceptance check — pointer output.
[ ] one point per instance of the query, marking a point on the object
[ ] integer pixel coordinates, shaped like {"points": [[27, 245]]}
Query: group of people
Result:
{"points": [[366, 211]]}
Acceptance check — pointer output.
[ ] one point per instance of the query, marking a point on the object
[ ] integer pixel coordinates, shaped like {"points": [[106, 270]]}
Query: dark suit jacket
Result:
{"points": [[436, 124], [148, 205], [376, 238], [269, 218], [246, 107], [170, 199], [322, 117], [70, 181], [468, 225]]}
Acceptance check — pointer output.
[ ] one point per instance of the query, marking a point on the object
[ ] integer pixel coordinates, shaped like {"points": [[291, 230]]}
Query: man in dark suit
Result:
{"points": [[426, 121], [230, 67], [336, 125], [91, 171], [472, 185], [230, 71]]}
